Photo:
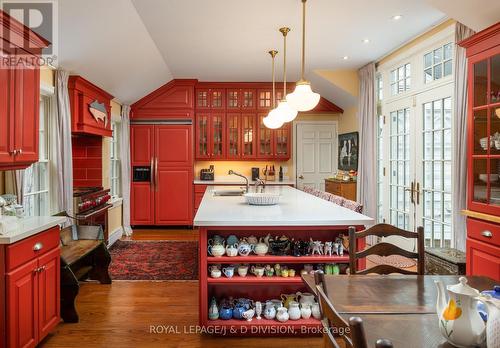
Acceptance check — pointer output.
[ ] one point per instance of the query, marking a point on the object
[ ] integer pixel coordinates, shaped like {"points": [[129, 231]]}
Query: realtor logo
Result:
{"points": [[41, 17]]}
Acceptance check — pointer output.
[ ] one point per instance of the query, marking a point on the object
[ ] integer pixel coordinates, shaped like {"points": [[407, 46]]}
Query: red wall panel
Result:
{"points": [[87, 161]]}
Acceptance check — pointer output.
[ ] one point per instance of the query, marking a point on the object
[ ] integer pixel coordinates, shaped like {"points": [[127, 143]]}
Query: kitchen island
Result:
{"points": [[299, 216]]}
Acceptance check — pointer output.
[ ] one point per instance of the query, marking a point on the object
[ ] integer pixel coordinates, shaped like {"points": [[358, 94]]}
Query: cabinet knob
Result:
{"points": [[20, 151], [38, 246], [13, 152], [487, 234]]}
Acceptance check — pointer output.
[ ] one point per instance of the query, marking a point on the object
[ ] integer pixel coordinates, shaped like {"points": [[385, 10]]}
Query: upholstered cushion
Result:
{"points": [[337, 199], [357, 207]]}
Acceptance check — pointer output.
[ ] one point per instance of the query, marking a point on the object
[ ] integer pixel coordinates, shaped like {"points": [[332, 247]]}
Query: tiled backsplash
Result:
{"points": [[87, 161]]}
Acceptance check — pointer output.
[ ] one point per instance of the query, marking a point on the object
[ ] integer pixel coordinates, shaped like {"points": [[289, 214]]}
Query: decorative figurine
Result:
{"points": [[316, 247], [328, 248]]}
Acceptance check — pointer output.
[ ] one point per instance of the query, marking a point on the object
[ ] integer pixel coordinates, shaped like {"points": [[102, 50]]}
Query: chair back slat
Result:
{"points": [[332, 318], [385, 249]]}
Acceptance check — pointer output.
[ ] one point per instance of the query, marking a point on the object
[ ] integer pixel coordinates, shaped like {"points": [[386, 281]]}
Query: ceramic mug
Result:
{"points": [[242, 271], [215, 273], [257, 271], [284, 273], [228, 271], [291, 272]]}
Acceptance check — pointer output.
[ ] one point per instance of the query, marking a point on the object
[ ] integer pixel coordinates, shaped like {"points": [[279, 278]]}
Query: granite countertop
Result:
{"points": [[296, 208], [30, 226]]}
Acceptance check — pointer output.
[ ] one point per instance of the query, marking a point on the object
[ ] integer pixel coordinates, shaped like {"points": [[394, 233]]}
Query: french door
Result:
{"points": [[417, 151]]}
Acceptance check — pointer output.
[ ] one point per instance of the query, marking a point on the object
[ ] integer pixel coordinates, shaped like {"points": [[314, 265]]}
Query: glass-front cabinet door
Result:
{"points": [[202, 136], [217, 135], [233, 99], [217, 98], [248, 99], [265, 139], [202, 99], [282, 142], [233, 135], [485, 138], [248, 135]]}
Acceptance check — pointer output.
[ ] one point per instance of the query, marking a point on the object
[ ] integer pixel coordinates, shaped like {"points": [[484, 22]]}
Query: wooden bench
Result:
{"points": [[84, 257]]}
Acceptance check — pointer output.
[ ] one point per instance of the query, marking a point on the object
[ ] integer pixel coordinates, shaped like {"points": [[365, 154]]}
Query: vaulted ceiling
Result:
{"points": [[131, 47]]}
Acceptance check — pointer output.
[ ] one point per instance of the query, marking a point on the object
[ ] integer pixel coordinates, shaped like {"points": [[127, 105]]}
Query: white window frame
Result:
{"points": [[438, 64], [44, 160], [404, 79], [115, 167], [420, 93]]}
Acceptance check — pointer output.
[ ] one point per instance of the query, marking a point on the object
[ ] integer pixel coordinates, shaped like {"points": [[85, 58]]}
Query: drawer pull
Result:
{"points": [[38, 246], [487, 234]]}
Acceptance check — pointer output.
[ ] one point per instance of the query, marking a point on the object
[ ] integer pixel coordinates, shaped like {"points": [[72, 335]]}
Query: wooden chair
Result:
{"points": [[385, 249], [352, 334], [319, 279]]}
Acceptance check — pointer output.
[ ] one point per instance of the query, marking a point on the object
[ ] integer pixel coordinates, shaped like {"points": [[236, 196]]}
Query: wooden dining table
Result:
{"points": [[401, 308]]}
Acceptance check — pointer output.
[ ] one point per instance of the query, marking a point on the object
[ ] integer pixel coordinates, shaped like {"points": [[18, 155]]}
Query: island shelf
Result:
{"points": [[299, 216]]}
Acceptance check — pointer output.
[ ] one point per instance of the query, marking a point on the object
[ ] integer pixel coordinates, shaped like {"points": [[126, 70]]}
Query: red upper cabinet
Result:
{"points": [[19, 95], [174, 100], [90, 108], [483, 53]]}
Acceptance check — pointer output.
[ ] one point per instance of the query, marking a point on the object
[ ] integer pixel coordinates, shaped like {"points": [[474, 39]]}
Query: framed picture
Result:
{"points": [[348, 151]]}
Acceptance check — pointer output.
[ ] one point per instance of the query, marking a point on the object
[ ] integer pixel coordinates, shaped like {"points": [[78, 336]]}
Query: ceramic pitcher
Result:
{"points": [[459, 321], [493, 323]]}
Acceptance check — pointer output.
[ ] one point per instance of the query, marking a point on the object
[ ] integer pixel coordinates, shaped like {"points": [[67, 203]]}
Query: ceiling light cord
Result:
{"points": [[284, 31], [303, 38], [273, 54]]}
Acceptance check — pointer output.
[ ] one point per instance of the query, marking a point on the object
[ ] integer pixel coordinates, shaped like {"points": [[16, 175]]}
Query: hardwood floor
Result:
{"points": [[126, 313]]}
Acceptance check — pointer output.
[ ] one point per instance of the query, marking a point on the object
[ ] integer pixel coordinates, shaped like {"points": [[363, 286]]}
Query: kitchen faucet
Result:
{"points": [[231, 172], [260, 183]]}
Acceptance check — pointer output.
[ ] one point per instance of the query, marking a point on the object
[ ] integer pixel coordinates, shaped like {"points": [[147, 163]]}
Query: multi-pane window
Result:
{"points": [[115, 160], [36, 177], [400, 168], [437, 64], [401, 79], [437, 152]]}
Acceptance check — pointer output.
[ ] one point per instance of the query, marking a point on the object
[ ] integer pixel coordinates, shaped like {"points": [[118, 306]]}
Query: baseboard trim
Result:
{"points": [[115, 235]]}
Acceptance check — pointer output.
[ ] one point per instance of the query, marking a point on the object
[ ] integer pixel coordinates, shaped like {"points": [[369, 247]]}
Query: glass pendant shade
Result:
{"points": [[303, 98], [285, 112], [273, 119]]}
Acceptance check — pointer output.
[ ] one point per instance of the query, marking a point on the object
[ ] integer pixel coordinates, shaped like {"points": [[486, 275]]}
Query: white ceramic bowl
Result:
{"points": [[484, 177], [254, 198]]}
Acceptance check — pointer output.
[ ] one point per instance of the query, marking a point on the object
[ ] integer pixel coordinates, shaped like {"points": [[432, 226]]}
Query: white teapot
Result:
{"points": [[459, 320], [261, 247]]}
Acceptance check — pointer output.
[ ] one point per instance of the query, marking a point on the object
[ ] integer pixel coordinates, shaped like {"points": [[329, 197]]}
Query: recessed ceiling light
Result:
{"points": [[366, 40], [345, 57], [397, 17]]}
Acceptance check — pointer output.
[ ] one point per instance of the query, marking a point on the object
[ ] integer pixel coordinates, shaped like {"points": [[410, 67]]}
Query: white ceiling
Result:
{"points": [[131, 47]]}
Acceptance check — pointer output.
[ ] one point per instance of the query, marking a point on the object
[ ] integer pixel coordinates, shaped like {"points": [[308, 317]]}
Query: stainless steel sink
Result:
{"points": [[229, 192]]}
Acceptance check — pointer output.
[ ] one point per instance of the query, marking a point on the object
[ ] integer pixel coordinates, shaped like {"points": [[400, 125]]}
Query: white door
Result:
{"points": [[316, 153], [418, 187]]}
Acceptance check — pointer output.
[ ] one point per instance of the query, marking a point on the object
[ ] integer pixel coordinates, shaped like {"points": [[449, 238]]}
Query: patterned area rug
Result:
{"points": [[393, 260], [154, 260]]}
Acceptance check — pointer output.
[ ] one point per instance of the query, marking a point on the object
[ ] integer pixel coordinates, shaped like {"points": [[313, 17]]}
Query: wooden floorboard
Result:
{"points": [[121, 314]]}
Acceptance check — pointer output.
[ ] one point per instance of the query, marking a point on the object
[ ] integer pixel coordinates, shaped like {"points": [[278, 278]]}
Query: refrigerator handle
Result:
{"points": [[156, 173], [151, 171]]}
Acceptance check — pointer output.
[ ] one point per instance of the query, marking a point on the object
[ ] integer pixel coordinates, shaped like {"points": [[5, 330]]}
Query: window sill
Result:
{"points": [[116, 202]]}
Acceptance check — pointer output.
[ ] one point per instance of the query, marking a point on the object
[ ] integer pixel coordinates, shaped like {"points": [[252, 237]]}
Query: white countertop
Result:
{"points": [[30, 226], [234, 180], [296, 208]]}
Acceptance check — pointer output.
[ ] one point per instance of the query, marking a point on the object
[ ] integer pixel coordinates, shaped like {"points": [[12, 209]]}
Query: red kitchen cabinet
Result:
{"points": [[90, 108], [483, 154], [167, 152], [238, 98], [273, 143], [32, 289], [210, 135], [241, 136], [22, 304], [19, 95]]}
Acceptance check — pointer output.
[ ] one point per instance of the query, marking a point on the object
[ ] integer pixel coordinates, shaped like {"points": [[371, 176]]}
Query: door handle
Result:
{"points": [[301, 176], [151, 173], [418, 193], [411, 190], [156, 173]]}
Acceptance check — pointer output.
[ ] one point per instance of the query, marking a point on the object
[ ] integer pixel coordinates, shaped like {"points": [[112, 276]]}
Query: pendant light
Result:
{"points": [[303, 98], [285, 112], [272, 120]]}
